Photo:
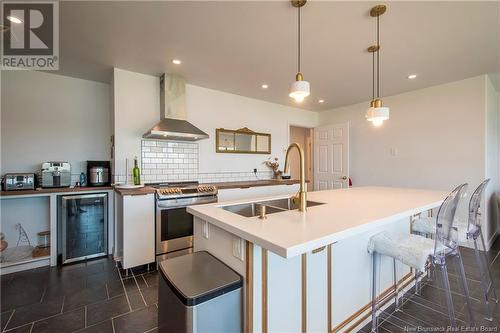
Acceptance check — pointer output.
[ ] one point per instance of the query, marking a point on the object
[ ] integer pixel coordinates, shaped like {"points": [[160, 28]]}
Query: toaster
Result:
{"points": [[56, 174], [19, 181]]}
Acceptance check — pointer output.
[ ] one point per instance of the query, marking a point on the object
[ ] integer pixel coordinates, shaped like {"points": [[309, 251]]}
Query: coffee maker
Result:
{"points": [[98, 173]]}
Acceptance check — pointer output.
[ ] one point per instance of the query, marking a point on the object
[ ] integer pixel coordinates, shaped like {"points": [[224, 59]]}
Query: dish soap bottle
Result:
{"points": [[136, 173]]}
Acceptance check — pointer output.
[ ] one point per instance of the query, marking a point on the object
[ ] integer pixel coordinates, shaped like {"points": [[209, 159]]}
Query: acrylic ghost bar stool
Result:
{"points": [[415, 251], [470, 231]]}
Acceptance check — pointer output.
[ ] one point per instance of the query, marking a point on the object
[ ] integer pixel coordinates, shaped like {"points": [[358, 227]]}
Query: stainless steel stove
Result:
{"points": [[174, 225]]}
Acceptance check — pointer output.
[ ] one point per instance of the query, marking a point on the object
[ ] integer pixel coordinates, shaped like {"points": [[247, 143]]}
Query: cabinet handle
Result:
{"points": [[318, 250]]}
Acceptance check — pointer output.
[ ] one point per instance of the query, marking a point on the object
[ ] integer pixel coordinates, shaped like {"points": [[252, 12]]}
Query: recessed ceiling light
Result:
{"points": [[176, 61], [265, 86], [321, 101], [412, 76], [14, 19]]}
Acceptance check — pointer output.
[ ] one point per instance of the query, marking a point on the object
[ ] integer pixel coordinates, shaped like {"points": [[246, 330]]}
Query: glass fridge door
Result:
{"points": [[84, 226]]}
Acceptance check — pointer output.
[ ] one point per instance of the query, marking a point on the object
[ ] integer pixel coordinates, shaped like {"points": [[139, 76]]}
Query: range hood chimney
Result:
{"points": [[173, 124]]}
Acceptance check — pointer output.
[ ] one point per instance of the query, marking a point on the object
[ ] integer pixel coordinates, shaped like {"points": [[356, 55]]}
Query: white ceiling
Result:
{"points": [[236, 46]]}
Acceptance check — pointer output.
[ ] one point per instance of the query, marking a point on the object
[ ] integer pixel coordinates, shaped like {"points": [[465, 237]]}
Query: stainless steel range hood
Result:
{"points": [[173, 124]]}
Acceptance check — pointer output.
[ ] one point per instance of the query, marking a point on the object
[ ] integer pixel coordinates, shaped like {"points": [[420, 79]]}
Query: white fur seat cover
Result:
{"points": [[411, 250], [427, 225]]}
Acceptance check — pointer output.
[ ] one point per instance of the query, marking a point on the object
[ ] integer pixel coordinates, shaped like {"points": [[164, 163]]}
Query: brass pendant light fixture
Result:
{"points": [[299, 89], [376, 113]]}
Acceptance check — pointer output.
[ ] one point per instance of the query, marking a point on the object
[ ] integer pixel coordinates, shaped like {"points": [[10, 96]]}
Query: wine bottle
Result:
{"points": [[136, 173]]}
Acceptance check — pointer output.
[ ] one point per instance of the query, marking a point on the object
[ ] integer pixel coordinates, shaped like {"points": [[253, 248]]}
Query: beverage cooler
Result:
{"points": [[82, 227]]}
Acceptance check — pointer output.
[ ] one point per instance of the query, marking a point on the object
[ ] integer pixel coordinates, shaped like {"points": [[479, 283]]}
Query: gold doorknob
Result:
{"points": [[344, 178]]}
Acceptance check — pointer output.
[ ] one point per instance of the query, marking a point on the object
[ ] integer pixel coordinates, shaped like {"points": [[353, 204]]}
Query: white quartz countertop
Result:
{"points": [[346, 212]]}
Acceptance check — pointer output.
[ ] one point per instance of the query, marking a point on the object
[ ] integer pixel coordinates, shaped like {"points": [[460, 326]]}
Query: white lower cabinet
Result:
{"points": [[135, 232]]}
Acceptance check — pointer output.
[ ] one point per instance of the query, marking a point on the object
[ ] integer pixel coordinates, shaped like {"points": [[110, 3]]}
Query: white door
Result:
{"points": [[331, 157]]}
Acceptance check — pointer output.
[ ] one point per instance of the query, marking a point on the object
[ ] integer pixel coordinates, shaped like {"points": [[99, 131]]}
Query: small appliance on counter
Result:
{"points": [[56, 174], [18, 181], [98, 173]]}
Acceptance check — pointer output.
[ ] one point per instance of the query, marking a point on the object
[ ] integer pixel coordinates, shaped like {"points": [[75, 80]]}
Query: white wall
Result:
{"points": [[492, 171], [439, 134], [210, 109], [136, 99], [49, 117]]}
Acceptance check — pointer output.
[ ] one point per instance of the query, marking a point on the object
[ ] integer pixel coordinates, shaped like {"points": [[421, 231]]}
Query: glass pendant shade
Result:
{"points": [[377, 113], [300, 89]]}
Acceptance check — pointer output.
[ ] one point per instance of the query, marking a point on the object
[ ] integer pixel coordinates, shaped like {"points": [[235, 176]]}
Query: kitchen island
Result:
{"points": [[309, 271]]}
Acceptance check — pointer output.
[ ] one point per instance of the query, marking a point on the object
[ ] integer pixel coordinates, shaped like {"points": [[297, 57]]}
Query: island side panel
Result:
{"points": [[352, 276], [221, 244], [317, 290], [232, 251], [284, 298]]}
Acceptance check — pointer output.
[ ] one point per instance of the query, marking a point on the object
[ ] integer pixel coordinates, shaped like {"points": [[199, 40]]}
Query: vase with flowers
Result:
{"points": [[274, 166]]}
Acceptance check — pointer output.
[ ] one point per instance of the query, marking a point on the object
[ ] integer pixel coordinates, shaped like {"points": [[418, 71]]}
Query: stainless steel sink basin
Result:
{"points": [[287, 203], [252, 209]]}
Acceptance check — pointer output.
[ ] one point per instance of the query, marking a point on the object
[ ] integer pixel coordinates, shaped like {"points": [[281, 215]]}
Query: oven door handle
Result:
{"points": [[171, 205]]}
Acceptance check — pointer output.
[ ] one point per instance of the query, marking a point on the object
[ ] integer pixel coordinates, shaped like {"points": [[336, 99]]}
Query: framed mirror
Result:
{"points": [[242, 141]]}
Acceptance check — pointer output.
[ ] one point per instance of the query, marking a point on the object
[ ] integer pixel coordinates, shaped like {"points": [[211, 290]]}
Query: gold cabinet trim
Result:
{"points": [[249, 288], [329, 285], [264, 291], [304, 293]]}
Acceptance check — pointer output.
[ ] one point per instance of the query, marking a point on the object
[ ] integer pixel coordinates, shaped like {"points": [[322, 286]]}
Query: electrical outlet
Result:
{"points": [[254, 170]]}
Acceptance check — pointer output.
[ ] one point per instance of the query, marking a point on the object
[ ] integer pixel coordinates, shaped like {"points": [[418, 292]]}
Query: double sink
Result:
{"points": [[253, 209]]}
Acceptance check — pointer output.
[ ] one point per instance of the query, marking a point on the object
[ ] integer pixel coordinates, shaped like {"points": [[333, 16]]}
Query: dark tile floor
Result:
{"points": [[93, 296], [428, 311], [96, 296]]}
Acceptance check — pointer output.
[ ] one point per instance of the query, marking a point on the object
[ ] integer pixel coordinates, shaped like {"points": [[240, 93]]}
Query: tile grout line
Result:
{"points": [[140, 292], [417, 319], [494, 259], [146, 282], [32, 325], [107, 291], [8, 321], [62, 306], [439, 307], [124, 289], [454, 293], [398, 320], [113, 324], [41, 319], [43, 294], [434, 310]]}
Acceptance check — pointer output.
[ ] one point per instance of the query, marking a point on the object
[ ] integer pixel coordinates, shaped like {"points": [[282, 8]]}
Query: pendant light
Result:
{"points": [[376, 113], [300, 89]]}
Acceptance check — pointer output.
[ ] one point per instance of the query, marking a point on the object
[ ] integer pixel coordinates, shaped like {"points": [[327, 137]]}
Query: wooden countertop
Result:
{"points": [[221, 186], [55, 190], [135, 191]]}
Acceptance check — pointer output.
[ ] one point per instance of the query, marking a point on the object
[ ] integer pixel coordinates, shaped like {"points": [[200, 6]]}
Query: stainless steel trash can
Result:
{"points": [[199, 293]]}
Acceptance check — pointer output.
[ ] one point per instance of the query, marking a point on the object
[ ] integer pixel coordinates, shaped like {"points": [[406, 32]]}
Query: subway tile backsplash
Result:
{"points": [[169, 161], [172, 161]]}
